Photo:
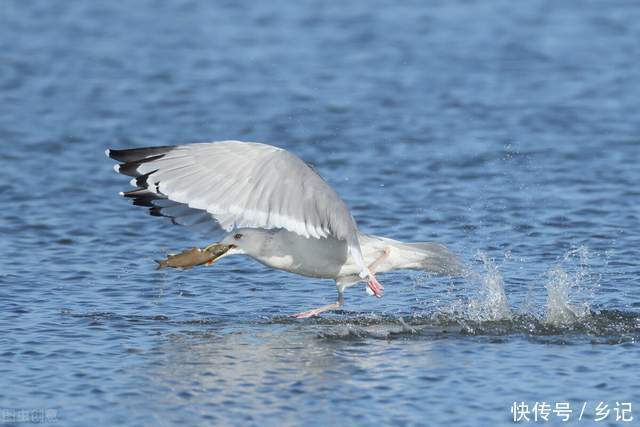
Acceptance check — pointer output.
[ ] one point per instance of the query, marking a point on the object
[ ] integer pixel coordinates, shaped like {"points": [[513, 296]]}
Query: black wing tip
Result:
{"points": [[131, 158], [141, 180], [143, 197], [128, 155], [156, 211], [129, 163], [131, 168]]}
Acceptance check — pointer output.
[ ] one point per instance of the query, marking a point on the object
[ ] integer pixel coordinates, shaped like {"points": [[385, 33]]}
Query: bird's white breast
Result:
{"points": [[283, 262], [312, 257]]}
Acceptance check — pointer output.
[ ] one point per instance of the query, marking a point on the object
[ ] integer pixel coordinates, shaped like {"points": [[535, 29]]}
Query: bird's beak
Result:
{"points": [[218, 250]]}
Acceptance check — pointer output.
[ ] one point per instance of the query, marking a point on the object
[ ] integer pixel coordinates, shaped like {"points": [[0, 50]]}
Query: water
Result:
{"points": [[509, 134]]}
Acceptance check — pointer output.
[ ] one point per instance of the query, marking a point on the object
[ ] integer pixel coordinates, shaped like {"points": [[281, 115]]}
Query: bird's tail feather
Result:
{"points": [[437, 259], [426, 256]]}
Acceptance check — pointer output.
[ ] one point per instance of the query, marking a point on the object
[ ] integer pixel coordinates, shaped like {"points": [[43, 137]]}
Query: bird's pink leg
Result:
{"points": [[374, 286], [315, 311], [372, 283], [382, 258]]}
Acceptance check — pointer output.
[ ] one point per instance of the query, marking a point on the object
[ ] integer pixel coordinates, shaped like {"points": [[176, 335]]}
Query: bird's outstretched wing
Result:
{"points": [[238, 184]]}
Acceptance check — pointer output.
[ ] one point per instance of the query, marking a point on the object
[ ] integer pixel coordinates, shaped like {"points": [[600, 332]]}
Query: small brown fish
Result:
{"points": [[194, 256]]}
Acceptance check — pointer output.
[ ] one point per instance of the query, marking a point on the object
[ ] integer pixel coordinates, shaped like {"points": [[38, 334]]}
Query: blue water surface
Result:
{"points": [[508, 131]]}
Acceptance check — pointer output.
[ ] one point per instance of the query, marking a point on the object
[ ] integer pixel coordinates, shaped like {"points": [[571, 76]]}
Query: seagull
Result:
{"points": [[275, 208]]}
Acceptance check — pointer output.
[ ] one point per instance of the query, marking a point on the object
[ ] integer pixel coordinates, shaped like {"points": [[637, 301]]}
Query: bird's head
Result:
{"points": [[244, 241]]}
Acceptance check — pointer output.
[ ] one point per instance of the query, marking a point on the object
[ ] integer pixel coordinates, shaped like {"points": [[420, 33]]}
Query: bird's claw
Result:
{"points": [[374, 287]]}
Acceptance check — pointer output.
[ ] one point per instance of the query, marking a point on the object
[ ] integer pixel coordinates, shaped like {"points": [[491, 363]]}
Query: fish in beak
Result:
{"points": [[195, 256]]}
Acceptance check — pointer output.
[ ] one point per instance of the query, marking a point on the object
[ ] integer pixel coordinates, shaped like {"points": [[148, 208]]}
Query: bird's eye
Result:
{"points": [[237, 236]]}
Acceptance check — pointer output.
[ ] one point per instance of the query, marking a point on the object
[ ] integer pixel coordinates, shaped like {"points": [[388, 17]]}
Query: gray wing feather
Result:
{"points": [[241, 184]]}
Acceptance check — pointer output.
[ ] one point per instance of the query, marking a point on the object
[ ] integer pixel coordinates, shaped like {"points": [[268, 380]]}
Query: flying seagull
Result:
{"points": [[275, 208]]}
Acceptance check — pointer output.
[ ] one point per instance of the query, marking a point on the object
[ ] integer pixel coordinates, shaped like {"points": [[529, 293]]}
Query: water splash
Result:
{"points": [[567, 288], [491, 301]]}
